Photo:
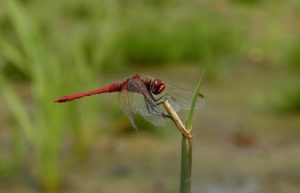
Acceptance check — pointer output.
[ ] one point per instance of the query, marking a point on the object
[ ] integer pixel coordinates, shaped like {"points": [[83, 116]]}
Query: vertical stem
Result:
{"points": [[186, 149], [186, 165], [186, 143]]}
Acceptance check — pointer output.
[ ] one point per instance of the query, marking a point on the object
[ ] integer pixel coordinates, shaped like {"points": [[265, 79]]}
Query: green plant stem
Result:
{"points": [[186, 147], [186, 165]]}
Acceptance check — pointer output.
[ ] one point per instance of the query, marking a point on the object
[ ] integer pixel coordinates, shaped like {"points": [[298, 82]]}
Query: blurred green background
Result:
{"points": [[246, 140]]}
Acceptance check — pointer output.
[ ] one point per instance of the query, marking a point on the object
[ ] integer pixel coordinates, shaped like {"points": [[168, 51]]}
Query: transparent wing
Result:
{"points": [[139, 104], [181, 98], [137, 99], [127, 106]]}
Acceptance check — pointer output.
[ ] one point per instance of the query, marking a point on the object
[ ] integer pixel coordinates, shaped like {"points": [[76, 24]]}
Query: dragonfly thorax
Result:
{"points": [[157, 86]]}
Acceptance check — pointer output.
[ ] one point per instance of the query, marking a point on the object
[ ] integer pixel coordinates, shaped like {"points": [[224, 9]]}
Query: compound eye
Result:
{"points": [[158, 86]]}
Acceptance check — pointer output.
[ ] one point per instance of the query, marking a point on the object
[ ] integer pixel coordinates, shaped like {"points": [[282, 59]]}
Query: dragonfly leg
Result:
{"points": [[152, 111], [164, 115], [159, 103], [155, 103], [161, 97]]}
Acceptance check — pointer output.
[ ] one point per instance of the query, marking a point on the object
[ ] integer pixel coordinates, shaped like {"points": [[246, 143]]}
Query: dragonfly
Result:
{"points": [[145, 95]]}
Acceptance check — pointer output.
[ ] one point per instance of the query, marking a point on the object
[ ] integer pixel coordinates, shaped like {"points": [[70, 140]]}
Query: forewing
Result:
{"points": [[181, 98]]}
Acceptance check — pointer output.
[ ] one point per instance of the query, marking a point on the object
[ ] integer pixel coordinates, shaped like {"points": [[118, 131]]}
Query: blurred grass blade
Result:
{"points": [[23, 26], [10, 52], [30, 39], [186, 148], [193, 104], [17, 108]]}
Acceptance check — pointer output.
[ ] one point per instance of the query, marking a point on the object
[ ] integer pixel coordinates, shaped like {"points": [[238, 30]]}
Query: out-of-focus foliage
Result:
{"points": [[114, 34], [293, 55], [248, 2], [39, 50], [290, 100], [188, 39], [52, 48]]}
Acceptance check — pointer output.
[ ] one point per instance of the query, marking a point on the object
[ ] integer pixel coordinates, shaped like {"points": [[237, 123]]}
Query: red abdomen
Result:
{"points": [[114, 87]]}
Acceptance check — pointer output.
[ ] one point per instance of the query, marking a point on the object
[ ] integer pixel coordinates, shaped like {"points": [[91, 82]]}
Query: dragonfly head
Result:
{"points": [[157, 86]]}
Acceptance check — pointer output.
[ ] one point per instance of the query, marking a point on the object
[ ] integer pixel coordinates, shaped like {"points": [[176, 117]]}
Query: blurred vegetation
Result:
{"points": [[290, 101], [54, 47]]}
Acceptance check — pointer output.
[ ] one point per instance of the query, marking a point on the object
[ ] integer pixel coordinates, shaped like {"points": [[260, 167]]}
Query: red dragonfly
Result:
{"points": [[144, 95]]}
